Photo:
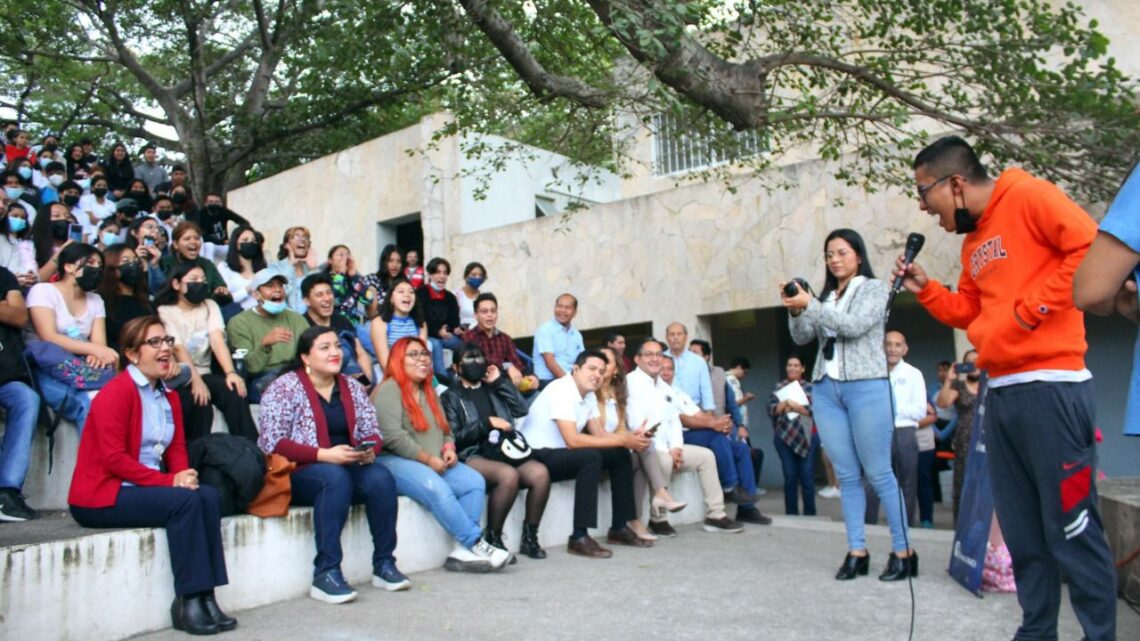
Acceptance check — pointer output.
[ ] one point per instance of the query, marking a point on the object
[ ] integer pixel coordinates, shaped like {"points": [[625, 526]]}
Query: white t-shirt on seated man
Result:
{"points": [[558, 401]]}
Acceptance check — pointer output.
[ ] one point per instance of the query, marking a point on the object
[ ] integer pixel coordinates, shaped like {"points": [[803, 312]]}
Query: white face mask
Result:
{"points": [[56, 180]]}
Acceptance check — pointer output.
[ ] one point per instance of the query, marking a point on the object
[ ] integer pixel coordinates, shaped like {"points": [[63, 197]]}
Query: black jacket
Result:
{"points": [[438, 313], [232, 464], [469, 428]]}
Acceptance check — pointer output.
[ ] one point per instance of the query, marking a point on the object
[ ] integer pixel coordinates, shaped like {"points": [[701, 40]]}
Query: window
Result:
{"points": [[679, 148]]}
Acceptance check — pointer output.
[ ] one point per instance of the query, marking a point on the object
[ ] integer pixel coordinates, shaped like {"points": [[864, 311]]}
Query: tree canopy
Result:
{"points": [[253, 87]]}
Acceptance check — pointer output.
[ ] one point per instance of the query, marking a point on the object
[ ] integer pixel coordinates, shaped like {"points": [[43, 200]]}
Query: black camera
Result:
{"points": [[793, 287]]}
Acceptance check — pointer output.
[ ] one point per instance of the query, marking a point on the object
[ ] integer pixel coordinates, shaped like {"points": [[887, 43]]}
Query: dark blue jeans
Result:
{"points": [[799, 472], [23, 407], [733, 458], [926, 486], [193, 529], [331, 489]]}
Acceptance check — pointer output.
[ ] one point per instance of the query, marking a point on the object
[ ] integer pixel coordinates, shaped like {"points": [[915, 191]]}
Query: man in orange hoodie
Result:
{"points": [[1024, 238]]}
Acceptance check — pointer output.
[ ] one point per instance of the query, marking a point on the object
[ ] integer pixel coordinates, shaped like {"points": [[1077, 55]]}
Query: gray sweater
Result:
{"points": [[858, 332]]}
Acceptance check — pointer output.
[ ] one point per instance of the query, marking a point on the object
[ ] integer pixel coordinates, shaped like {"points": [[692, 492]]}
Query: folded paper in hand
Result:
{"points": [[792, 392]]}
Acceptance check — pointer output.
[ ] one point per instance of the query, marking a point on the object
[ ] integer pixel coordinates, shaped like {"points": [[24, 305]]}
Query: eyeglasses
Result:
{"points": [[651, 354], [300, 236], [418, 356], [473, 359], [923, 189], [158, 341]]}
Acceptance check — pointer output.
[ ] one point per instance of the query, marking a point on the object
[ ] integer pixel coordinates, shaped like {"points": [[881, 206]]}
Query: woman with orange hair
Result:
{"points": [[419, 451]]}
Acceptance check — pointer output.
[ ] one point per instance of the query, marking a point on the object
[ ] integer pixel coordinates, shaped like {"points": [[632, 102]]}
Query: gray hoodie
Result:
{"points": [[858, 332]]}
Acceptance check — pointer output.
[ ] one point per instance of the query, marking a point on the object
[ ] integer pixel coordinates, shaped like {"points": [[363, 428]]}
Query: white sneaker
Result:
{"points": [[498, 557], [462, 559], [830, 492]]}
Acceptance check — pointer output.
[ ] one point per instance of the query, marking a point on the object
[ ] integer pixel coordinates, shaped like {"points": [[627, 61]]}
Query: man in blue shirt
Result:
{"points": [[556, 342], [692, 375]]}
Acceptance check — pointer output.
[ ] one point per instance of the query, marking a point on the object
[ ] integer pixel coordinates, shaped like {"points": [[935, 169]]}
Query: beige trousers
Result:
{"points": [[693, 457]]}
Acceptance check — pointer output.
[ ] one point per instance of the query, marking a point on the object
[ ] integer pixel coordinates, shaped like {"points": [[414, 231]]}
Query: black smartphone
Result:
{"points": [[365, 446], [965, 368]]}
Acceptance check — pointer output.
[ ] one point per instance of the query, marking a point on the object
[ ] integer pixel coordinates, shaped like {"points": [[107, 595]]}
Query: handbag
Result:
{"points": [[66, 367], [506, 446], [275, 495]]}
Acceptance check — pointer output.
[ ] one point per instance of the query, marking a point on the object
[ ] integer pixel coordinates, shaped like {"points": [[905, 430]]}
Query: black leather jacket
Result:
{"points": [[469, 428]]}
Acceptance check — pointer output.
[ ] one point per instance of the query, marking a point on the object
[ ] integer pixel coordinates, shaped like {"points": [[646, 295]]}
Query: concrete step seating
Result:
{"points": [[107, 585]]}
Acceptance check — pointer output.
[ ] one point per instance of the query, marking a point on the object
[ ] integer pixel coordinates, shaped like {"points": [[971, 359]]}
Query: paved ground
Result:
{"points": [[768, 583]]}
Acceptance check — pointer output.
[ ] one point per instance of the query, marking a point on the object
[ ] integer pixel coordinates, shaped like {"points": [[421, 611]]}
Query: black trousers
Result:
{"points": [[1041, 452], [197, 419], [585, 466], [193, 529]]}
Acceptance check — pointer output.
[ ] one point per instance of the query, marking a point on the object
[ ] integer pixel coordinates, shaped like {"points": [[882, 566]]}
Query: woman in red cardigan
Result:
{"points": [[132, 472]]}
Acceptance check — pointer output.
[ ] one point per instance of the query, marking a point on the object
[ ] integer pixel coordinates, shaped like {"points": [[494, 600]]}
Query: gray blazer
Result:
{"points": [[859, 332]]}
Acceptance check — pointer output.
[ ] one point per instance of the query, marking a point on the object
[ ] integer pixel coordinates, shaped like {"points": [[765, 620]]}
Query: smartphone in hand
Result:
{"points": [[75, 233], [364, 446]]}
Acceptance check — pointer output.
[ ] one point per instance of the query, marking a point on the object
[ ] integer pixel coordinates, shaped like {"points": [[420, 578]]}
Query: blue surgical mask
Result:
{"points": [[25, 172], [44, 162], [17, 225], [84, 184], [109, 238], [273, 308], [14, 192], [475, 282], [438, 288]]}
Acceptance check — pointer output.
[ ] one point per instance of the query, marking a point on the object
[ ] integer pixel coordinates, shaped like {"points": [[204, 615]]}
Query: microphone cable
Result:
{"points": [[895, 471]]}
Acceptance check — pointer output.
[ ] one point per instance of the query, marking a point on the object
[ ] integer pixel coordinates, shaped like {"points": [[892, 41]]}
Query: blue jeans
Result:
{"points": [[23, 407], [733, 458], [437, 346], [856, 423], [454, 498], [799, 472], [331, 489], [73, 404]]}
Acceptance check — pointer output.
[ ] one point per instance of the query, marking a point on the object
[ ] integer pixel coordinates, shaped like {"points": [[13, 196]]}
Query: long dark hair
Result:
{"points": [[109, 284], [5, 226], [233, 255], [618, 390], [387, 283], [852, 237], [41, 233], [387, 309], [168, 295]]}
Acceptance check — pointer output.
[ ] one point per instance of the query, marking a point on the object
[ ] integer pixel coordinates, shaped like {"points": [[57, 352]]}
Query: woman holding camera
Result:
{"points": [[323, 421], [852, 402]]}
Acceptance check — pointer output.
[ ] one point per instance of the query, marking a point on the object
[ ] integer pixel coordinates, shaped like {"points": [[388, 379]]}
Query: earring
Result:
{"points": [[308, 370]]}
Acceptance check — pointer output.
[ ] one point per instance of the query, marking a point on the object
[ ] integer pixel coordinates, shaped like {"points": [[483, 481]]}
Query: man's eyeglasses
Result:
{"points": [[923, 189], [158, 341]]}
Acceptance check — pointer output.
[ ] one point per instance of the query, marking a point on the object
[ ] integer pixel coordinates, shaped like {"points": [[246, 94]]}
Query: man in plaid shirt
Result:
{"points": [[498, 347]]}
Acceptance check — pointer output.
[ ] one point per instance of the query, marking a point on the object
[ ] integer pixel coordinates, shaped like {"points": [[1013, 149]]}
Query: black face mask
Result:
{"points": [[99, 192], [196, 292], [214, 209], [964, 223], [164, 214], [88, 279], [130, 273], [59, 229], [472, 372], [248, 250], [178, 198], [70, 200], [138, 195], [51, 148]]}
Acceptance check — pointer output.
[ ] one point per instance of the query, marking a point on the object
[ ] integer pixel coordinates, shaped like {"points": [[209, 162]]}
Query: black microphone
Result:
{"points": [[914, 243]]}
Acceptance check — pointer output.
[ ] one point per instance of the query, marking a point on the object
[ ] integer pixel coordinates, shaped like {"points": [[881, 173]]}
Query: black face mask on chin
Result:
{"points": [[964, 223]]}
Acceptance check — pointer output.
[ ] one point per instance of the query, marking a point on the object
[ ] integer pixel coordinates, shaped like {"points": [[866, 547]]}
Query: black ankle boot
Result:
{"points": [[224, 621], [900, 568], [853, 566], [529, 545], [188, 614], [496, 539]]}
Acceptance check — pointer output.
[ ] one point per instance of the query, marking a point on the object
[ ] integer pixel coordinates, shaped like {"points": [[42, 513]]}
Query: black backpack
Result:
{"points": [[233, 465]]}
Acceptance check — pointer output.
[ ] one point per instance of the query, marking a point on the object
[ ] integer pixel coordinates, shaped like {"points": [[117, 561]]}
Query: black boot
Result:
{"points": [[900, 568], [853, 566], [529, 545], [496, 539], [188, 614], [225, 622]]}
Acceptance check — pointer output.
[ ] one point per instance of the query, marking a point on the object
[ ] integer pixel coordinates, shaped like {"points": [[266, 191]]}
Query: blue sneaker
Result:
{"points": [[331, 587], [390, 578]]}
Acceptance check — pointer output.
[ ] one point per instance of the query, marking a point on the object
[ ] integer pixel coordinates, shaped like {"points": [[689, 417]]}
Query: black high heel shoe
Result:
{"points": [[853, 566], [224, 621], [899, 568]]}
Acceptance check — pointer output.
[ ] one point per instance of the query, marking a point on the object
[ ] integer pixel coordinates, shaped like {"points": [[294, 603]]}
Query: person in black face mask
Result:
{"points": [[49, 235], [124, 290], [195, 322], [213, 219], [481, 408], [82, 332], [163, 207], [138, 192], [245, 256]]}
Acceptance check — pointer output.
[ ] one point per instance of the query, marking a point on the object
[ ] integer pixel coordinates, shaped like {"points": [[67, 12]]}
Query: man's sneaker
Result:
{"points": [[498, 557], [662, 528], [390, 578], [723, 524], [13, 508], [752, 516], [738, 495], [331, 587], [463, 560]]}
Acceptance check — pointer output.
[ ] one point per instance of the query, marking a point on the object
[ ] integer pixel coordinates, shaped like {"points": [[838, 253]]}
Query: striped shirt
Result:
{"points": [[401, 327]]}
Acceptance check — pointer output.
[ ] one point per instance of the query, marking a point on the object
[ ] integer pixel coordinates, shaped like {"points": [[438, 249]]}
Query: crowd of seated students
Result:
{"points": [[113, 264]]}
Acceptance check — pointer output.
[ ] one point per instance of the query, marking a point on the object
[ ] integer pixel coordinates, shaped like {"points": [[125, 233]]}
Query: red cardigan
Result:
{"points": [[109, 449]]}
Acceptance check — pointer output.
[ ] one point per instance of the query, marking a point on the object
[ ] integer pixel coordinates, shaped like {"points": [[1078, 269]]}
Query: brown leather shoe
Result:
{"points": [[626, 536], [588, 547]]}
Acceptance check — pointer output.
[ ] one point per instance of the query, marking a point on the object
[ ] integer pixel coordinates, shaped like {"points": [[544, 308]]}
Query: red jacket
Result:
{"points": [[109, 449]]}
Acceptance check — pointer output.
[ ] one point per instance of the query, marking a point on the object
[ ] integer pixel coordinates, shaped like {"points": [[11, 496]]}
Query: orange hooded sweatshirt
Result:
{"points": [[1020, 260]]}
